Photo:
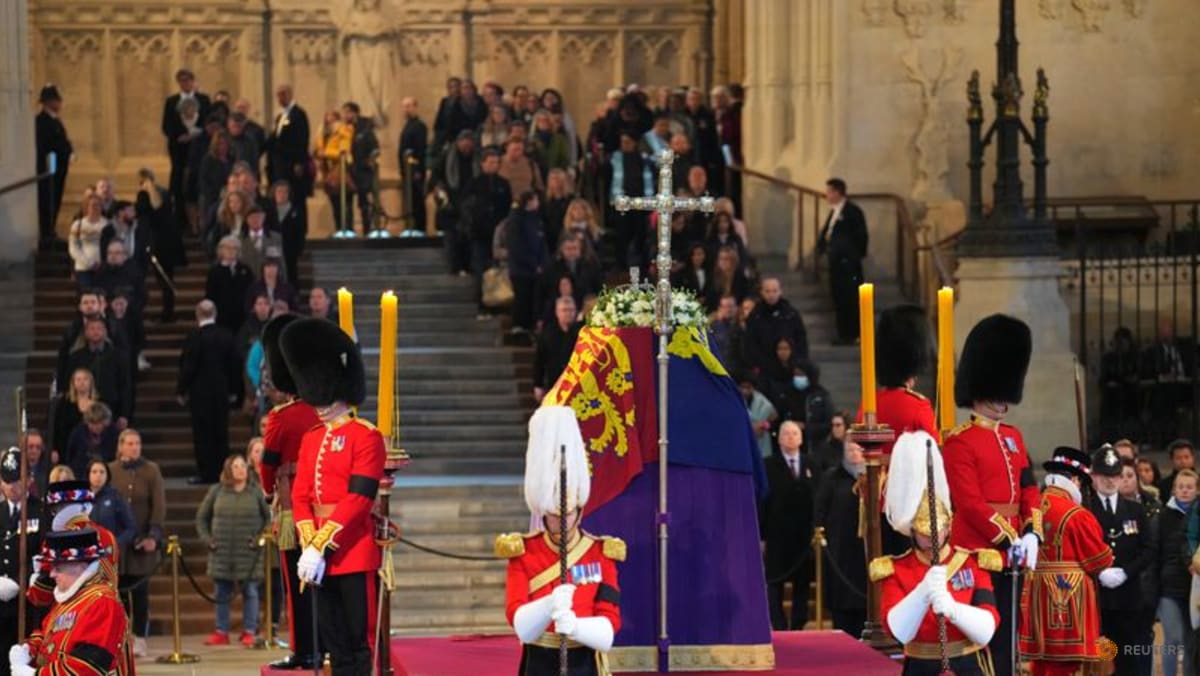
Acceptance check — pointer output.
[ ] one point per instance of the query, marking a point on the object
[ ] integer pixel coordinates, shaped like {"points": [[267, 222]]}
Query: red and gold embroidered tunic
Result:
{"points": [[1060, 615], [83, 636], [533, 572], [903, 410], [286, 426]]}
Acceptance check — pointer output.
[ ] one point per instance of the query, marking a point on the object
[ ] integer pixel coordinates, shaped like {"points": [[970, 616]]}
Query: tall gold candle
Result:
{"points": [[346, 311], [866, 332], [945, 383], [387, 362]]}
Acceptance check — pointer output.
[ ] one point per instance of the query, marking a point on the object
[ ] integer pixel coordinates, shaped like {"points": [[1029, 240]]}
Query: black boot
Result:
{"points": [[293, 661]]}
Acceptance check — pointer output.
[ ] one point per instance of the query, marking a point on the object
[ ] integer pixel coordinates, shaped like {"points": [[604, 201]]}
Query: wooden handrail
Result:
{"points": [[24, 182], [776, 180]]}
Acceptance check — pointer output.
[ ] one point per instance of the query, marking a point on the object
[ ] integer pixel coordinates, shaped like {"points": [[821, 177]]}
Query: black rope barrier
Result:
{"points": [[448, 555]]}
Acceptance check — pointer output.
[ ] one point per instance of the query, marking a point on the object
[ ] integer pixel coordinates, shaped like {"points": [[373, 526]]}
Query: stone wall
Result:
{"points": [[114, 62], [18, 209], [875, 91]]}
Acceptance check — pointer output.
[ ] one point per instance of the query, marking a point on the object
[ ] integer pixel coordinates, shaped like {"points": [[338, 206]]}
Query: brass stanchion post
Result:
{"points": [[177, 656], [267, 641], [818, 543]]}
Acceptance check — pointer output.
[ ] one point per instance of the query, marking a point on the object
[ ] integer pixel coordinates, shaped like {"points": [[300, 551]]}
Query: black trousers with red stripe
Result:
{"points": [[298, 604], [346, 607]]}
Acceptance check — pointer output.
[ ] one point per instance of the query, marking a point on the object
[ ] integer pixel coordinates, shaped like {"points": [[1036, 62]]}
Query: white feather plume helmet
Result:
{"points": [[905, 499], [551, 428]]}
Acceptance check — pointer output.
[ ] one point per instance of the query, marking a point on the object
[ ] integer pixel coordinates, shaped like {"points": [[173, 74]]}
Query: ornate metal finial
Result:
{"points": [[1040, 110], [1011, 93], [974, 101]]}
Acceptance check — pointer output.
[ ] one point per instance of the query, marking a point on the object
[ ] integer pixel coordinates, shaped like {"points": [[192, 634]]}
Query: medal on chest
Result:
{"points": [[64, 622], [963, 579], [585, 573], [337, 444], [1010, 445]]}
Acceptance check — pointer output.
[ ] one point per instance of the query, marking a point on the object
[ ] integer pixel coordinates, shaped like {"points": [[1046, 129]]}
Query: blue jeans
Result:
{"points": [[225, 591], [1177, 635]]}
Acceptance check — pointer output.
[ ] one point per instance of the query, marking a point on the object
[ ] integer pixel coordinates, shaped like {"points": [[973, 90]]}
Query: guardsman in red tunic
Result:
{"points": [[586, 610], [1060, 611], [69, 506], [341, 464], [996, 498], [916, 586], [902, 352], [286, 425], [85, 631]]}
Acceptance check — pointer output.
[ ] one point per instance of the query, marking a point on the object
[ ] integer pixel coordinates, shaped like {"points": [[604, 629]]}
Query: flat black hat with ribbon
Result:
{"points": [[1071, 462], [1106, 461], [72, 546], [69, 492]]}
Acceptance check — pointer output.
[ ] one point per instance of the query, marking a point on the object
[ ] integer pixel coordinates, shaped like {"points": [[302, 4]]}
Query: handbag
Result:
{"points": [[497, 287]]}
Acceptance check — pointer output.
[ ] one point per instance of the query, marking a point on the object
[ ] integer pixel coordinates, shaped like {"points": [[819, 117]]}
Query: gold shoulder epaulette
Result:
{"points": [[989, 560], [959, 429], [365, 423], [613, 548], [881, 568], [509, 545], [914, 393]]}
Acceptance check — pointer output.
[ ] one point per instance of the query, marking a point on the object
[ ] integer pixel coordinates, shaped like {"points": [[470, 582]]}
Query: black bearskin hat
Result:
{"points": [[324, 362], [281, 377], [994, 360], [902, 347]]}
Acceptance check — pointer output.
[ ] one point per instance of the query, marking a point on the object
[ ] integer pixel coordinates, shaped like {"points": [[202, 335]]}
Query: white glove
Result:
{"points": [[531, 619], [934, 581], [976, 624], [311, 567], [564, 597], [1111, 578], [22, 670], [565, 622], [905, 617], [1030, 544], [594, 632], [944, 604], [8, 589], [19, 654]]}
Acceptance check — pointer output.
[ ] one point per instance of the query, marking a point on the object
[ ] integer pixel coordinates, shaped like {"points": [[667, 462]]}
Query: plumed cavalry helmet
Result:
{"points": [[550, 430], [907, 494], [902, 345], [324, 362], [995, 358], [281, 376]]}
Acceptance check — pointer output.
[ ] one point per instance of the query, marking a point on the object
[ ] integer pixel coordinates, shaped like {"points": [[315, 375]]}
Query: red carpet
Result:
{"points": [[809, 653]]}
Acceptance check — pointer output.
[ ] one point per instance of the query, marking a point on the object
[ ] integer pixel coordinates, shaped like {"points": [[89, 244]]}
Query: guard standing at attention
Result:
{"points": [[341, 464]]}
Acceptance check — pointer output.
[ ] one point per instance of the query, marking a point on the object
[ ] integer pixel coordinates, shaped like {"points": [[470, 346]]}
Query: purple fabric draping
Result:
{"points": [[717, 593]]}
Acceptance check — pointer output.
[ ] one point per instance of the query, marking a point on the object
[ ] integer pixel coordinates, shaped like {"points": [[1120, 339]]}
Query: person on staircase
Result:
{"points": [[554, 347], [543, 611], [340, 466], [227, 284], [139, 481], [772, 319], [92, 303], [209, 384], [488, 200], [843, 241], [155, 215], [286, 425], [110, 368]]}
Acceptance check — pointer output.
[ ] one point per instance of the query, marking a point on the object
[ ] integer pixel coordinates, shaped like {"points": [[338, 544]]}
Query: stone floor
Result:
{"points": [[223, 661]]}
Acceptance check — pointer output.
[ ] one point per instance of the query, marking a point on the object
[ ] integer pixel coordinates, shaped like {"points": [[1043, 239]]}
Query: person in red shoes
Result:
{"points": [[919, 585], [85, 632], [340, 466], [1060, 610], [286, 425], [991, 477], [586, 610]]}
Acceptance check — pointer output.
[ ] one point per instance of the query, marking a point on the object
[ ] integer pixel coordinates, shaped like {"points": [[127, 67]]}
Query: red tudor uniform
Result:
{"points": [[533, 573], [82, 635], [1060, 615], [991, 483], [969, 581]]}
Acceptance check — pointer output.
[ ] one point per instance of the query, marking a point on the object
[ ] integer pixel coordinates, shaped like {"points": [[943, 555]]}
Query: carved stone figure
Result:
{"points": [[367, 37]]}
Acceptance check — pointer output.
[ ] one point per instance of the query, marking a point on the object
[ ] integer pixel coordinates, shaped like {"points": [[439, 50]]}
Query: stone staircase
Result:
{"points": [[164, 425], [839, 365], [16, 307], [464, 401]]}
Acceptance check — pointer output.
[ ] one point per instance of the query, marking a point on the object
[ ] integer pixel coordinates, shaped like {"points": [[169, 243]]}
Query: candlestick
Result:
{"points": [[387, 361], [945, 383], [866, 339], [346, 311]]}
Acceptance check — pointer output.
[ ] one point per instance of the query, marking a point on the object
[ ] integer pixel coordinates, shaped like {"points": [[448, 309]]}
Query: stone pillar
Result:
{"points": [[1028, 289], [18, 209], [729, 41]]}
